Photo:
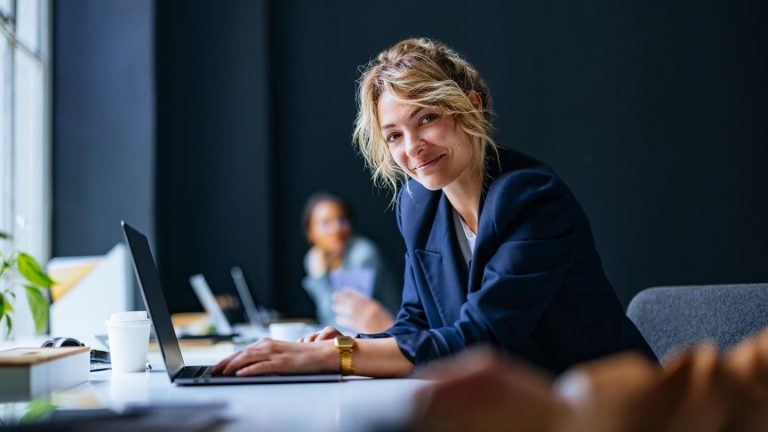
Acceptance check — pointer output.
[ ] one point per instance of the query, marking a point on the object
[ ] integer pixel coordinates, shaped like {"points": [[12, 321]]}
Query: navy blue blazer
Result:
{"points": [[535, 286]]}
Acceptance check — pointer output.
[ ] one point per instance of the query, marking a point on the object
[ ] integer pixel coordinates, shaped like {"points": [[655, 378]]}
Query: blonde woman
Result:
{"points": [[498, 249]]}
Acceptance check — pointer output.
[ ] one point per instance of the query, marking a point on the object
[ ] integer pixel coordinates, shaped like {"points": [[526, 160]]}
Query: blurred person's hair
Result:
{"points": [[321, 197], [424, 73]]}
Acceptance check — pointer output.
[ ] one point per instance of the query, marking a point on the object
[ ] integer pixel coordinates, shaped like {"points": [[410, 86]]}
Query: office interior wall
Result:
{"points": [[214, 176], [103, 122], [652, 112]]}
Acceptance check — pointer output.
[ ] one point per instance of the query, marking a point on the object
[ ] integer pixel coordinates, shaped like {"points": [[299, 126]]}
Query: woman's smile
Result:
{"points": [[428, 165]]}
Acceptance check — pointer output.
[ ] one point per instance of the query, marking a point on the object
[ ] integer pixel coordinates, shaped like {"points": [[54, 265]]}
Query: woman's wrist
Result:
{"points": [[329, 355]]}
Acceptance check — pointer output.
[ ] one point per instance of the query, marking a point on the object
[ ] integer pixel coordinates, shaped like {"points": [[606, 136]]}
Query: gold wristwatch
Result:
{"points": [[345, 345]]}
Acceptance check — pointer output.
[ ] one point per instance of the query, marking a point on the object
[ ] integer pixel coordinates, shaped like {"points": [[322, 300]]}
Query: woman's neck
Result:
{"points": [[464, 195]]}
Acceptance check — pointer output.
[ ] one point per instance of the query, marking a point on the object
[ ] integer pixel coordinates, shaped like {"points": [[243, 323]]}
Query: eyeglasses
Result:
{"points": [[330, 224]]}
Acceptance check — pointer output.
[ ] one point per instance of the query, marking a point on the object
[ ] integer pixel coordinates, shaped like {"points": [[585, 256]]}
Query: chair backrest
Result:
{"points": [[672, 318]]}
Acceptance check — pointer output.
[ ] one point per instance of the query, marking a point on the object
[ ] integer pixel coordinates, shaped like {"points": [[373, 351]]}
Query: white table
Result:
{"points": [[356, 404]]}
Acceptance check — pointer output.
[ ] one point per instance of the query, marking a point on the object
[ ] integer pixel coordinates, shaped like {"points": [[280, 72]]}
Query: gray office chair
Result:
{"points": [[672, 318]]}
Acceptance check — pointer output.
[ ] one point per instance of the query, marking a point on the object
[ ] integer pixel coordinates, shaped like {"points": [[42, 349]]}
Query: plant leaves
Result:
{"points": [[38, 305], [9, 323], [31, 270], [4, 266], [37, 409], [4, 235], [5, 308]]}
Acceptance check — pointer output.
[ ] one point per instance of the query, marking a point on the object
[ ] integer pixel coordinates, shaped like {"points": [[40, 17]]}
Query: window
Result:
{"points": [[25, 127]]}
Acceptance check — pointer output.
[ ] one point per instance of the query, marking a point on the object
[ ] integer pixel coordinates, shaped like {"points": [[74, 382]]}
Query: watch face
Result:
{"points": [[344, 342]]}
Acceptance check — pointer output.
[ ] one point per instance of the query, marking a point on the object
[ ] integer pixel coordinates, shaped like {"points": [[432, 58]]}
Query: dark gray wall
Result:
{"points": [[103, 122], [214, 148]]}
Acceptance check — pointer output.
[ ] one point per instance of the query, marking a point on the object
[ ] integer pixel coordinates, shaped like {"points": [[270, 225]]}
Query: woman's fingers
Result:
{"points": [[309, 338], [223, 363], [260, 368], [255, 353], [327, 333], [269, 355], [236, 363], [324, 334]]}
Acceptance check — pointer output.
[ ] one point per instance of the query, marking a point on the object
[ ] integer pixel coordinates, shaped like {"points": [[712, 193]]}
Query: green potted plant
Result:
{"points": [[19, 270]]}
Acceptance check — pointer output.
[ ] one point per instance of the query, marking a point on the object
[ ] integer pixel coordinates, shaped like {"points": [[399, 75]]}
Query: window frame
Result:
{"points": [[22, 164], [11, 174]]}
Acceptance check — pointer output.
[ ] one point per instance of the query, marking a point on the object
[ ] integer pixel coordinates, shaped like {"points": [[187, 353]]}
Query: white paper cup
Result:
{"points": [[290, 331], [128, 334]]}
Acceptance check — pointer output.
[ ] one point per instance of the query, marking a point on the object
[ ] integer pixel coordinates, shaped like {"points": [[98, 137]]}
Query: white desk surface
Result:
{"points": [[356, 404]]}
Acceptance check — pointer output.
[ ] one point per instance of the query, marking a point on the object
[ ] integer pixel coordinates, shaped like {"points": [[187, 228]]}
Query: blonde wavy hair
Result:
{"points": [[424, 73]]}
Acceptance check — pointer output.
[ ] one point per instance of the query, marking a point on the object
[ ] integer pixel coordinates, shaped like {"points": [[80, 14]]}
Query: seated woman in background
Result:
{"points": [[335, 248]]}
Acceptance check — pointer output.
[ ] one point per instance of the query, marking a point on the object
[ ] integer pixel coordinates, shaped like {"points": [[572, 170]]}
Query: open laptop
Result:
{"points": [[238, 333], [211, 306], [257, 315], [154, 299]]}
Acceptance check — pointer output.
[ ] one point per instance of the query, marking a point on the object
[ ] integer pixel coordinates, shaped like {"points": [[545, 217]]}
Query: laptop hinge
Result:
{"points": [[176, 373]]}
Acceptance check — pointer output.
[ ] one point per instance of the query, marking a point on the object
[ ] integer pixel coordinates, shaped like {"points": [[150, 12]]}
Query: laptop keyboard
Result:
{"points": [[205, 372], [195, 372]]}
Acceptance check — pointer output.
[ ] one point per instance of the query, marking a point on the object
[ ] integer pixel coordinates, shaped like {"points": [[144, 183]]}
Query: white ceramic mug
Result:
{"points": [[128, 334]]}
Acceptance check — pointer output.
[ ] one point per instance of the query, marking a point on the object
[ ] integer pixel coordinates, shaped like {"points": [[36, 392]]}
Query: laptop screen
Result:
{"points": [[245, 297], [154, 299], [212, 308]]}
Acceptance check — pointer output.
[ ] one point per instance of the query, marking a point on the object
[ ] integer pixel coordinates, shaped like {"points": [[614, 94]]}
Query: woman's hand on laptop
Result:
{"points": [[324, 334], [273, 356]]}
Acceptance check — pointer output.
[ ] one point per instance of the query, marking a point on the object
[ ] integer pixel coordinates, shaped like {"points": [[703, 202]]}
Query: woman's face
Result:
{"points": [[429, 146], [329, 227]]}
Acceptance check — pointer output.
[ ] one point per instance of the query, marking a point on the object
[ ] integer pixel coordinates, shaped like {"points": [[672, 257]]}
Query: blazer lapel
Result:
{"points": [[443, 265], [483, 248]]}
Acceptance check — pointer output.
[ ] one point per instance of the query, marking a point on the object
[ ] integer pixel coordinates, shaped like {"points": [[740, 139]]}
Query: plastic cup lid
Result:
{"points": [[127, 324], [128, 316]]}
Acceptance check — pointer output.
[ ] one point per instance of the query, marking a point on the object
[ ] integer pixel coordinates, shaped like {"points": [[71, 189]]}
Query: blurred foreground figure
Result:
{"points": [[479, 391], [699, 390]]}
